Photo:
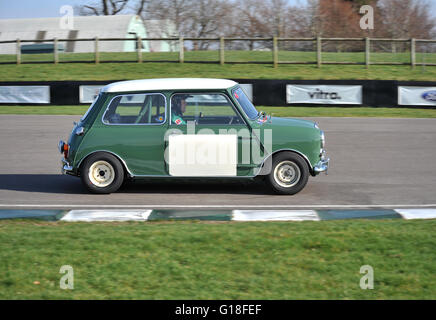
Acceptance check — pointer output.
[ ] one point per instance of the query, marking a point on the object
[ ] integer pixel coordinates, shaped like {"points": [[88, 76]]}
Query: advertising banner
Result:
{"points": [[88, 93], [24, 94], [416, 96], [248, 90], [323, 94]]}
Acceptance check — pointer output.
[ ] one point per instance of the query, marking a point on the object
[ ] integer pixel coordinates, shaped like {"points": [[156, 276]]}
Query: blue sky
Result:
{"points": [[10, 9]]}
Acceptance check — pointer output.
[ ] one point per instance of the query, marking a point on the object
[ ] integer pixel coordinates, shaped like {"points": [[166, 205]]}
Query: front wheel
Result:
{"points": [[102, 173], [289, 173]]}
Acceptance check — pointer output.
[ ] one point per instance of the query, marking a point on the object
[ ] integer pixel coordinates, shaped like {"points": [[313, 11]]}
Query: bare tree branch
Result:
{"points": [[140, 7], [92, 9], [105, 7]]}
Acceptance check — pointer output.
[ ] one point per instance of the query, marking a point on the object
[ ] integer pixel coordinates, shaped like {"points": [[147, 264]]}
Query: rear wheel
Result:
{"points": [[102, 173], [289, 173]]}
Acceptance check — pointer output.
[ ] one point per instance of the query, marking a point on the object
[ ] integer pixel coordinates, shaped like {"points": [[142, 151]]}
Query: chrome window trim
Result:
{"points": [[203, 93], [135, 124]]}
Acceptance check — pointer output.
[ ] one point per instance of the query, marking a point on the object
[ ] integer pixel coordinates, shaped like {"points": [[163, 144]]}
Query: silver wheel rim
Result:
{"points": [[287, 174], [101, 174]]}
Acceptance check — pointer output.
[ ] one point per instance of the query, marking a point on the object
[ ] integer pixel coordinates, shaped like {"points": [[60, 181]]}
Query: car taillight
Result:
{"points": [[66, 148]]}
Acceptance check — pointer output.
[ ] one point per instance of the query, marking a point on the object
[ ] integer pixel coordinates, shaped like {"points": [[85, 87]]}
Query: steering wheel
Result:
{"points": [[231, 120]]}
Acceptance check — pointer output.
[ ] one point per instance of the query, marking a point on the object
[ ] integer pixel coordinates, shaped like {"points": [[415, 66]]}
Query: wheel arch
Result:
{"points": [[280, 151], [123, 163]]}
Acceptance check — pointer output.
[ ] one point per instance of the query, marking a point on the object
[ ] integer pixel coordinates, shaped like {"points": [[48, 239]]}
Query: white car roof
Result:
{"points": [[168, 84]]}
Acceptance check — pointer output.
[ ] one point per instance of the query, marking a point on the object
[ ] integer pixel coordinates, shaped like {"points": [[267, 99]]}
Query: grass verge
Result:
{"points": [[112, 71], [230, 56], [275, 111], [198, 260]]}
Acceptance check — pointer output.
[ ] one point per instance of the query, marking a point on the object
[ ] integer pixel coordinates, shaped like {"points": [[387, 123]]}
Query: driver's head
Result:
{"points": [[183, 105], [179, 103]]}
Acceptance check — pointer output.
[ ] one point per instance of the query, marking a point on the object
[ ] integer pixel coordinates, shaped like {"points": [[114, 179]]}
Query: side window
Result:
{"points": [[211, 108], [136, 109]]}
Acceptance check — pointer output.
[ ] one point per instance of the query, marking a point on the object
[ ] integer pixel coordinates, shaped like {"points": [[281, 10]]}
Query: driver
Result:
{"points": [[178, 108]]}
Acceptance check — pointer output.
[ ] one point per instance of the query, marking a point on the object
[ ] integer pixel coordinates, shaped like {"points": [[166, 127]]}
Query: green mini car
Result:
{"points": [[189, 128]]}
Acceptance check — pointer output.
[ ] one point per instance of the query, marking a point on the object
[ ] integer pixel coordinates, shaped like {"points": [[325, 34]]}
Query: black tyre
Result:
{"points": [[289, 173], [102, 173]]}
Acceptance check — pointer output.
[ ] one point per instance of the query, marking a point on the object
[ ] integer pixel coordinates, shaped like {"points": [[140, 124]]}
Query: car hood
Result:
{"points": [[289, 122]]}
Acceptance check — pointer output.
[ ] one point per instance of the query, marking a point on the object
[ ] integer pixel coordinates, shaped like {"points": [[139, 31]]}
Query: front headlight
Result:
{"points": [[61, 146], [316, 125]]}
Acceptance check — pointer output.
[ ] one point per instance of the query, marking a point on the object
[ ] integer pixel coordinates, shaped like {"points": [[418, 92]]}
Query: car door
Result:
{"points": [[207, 137]]}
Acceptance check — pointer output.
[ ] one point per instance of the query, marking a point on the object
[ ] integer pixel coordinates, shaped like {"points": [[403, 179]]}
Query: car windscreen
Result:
{"points": [[245, 103]]}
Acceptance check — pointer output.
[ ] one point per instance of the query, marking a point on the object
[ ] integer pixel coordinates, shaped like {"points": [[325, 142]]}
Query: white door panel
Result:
{"points": [[202, 155]]}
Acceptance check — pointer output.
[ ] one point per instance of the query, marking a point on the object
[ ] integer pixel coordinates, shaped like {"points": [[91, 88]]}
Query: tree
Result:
{"points": [[104, 7], [338, 19], [178, 11], [277, 17], [308, 20], [246, 18], [266, 18], [407, 18], [358, 3], [207, 18], [140, 6]]}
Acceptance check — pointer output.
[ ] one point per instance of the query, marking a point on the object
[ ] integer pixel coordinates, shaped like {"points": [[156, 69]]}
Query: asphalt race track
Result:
{"points": [[374, 163]]}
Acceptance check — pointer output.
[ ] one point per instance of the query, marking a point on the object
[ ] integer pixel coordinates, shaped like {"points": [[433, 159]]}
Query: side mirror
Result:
{"points": [[263, 117]]}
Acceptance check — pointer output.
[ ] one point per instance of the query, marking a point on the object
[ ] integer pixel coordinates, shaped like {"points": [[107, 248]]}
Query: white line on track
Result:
{"points": [[109, 215], [271, 215], [417, 213], [181, 206]]}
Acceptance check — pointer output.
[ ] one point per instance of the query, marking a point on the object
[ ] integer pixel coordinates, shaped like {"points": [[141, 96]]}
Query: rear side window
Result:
{"points": [[136, 109]]}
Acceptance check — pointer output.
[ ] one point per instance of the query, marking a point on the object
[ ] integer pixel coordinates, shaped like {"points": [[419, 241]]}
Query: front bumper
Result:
{"points": [[322, 165]]}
